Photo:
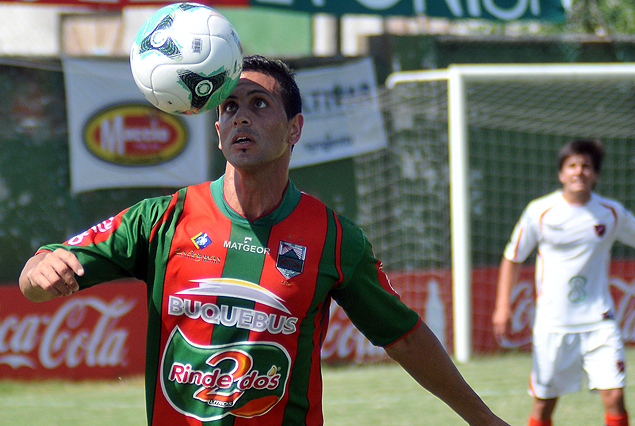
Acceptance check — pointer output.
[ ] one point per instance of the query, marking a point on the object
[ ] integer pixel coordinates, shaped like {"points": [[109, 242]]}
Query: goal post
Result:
{"points": [[559, 124]]}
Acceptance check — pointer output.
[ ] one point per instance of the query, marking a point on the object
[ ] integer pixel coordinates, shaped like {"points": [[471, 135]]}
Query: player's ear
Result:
{"points": [[295, 128], [218, 133]]}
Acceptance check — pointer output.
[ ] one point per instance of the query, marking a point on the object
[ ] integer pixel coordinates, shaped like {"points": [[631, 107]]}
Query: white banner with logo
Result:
{"points": [[118, 139], [342, 113]]}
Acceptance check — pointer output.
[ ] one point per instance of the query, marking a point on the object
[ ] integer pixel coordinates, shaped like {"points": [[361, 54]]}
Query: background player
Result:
{"points": [[574, 330], [254, 312]]}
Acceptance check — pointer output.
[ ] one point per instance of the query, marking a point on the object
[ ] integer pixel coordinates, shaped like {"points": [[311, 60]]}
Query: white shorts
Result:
{"points": [[560, 358]]}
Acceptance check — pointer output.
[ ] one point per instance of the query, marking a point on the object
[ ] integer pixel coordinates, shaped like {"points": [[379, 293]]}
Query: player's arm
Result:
{"points": [[508, 273], [50, 274], [421, 354]]}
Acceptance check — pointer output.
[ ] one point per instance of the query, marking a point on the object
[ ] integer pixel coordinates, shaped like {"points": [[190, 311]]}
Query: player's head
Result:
{"points": [[283, 75], [591, 147]]}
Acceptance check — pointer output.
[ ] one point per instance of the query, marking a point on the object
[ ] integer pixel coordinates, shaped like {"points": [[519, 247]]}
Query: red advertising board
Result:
{"points": [[97, 333], [101, 332], [345, 343]]}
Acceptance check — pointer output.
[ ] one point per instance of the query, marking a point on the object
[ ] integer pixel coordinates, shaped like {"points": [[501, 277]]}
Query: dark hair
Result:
{"points": [[283, 75], [591, 147]]}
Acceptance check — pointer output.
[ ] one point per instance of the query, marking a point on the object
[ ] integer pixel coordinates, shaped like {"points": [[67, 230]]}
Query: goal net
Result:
{"points": [[440, 203]]}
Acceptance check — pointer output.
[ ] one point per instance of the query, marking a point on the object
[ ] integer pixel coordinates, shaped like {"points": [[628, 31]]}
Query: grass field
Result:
{"points": [[376, 395]]}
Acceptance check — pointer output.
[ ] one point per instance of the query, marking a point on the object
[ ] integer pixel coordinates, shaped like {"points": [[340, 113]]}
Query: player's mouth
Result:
{"points": [[241, 139], [580, 183], [242, 142]]}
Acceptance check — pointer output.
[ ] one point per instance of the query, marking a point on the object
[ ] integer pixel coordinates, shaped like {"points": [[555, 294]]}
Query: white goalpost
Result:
{"points": [[461, 117]]}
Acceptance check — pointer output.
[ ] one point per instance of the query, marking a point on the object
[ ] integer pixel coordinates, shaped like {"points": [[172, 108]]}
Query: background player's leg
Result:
{"points": [[542, 411], [614, 407]]}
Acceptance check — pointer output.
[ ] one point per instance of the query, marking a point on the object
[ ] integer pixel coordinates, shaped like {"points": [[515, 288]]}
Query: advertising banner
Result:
{"points": [[502, 10], [100, 333], [430, 294], [342, 117], [119, 140], [97, 333]]}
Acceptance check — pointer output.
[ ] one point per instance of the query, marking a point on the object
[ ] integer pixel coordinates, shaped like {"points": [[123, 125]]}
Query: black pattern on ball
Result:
{"points": [[159, 40], [202, 88]]}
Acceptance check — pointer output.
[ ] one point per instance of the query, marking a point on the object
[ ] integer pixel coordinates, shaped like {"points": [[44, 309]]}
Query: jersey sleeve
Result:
{"points": [[524, 238], [366, 295], [117, 247], [626, 227]]}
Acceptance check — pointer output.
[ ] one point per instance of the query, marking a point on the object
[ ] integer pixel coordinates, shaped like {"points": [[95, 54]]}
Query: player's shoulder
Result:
{"points": [[347, 224], [544, 203], [597, 198], [607, 202], [350, 235], [153, 208]]}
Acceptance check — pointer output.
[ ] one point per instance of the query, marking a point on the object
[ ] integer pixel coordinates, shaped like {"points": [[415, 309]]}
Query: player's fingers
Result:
{"points": [[59, 269], [48, 280], [67, 265], [499, 330], [501, 327], [71, 260]]}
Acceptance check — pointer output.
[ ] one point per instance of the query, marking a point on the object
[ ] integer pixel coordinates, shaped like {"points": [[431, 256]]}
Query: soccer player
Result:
{"points": [[575, 330], [240, 275]]}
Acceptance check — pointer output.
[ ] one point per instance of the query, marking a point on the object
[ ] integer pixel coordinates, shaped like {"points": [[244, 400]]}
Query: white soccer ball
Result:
{"points": [[186, 58]]}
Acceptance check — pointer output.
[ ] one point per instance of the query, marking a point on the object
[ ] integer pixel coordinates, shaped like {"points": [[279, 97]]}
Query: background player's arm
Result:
{"points": [[507, 276], [49, 275], [421, 354]]}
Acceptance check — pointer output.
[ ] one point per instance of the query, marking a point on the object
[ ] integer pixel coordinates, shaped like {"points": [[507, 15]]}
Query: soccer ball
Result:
{"points": [[186, 58]]}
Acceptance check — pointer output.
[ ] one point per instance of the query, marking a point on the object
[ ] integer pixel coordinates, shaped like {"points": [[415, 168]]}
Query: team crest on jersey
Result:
{"points": [[201, 240], [290, 259], [600, 229]]}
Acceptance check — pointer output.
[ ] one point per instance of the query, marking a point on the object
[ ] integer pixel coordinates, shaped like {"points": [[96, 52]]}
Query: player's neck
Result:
{"points": [[253, 195], [576, 198]]}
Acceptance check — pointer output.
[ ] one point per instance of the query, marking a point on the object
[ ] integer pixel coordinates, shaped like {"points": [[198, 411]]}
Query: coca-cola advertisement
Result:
{"points": [[427, 292], [97, 333], [100, 333], [430, 293]]}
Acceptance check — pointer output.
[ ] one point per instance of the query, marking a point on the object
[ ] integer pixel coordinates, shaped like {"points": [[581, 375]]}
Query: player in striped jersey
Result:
{"points": [[240, 275], [574, 330]]}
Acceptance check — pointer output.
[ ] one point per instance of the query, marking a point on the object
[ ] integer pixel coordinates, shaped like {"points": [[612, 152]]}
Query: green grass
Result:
{"points": [[375, 395]]}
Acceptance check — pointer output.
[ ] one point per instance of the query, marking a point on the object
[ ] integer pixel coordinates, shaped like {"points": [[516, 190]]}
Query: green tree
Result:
{"points": [[601, 17]]}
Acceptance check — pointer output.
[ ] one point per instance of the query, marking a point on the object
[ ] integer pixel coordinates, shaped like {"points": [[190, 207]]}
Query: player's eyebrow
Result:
{"points": [[251, 93]]}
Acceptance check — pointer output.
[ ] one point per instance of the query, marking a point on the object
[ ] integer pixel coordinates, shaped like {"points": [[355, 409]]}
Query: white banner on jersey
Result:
{"points": [[342, 114], [118, 140]]}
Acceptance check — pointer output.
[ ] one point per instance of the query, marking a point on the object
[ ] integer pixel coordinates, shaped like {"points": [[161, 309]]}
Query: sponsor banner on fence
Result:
{"points": [[97, 333], [424, 290], [341, 110], [101, 332], [119, 140]]}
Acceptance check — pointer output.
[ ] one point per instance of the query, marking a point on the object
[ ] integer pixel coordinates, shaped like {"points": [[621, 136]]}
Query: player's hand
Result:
{"points": [[49, 275], [501, 320]]}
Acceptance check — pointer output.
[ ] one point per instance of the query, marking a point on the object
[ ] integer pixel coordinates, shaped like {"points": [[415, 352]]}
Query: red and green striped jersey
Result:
{"points": [[238, 309]]}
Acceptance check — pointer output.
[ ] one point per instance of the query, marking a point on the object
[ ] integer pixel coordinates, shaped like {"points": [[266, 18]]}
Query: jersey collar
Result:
{"points": [[290, 200]]}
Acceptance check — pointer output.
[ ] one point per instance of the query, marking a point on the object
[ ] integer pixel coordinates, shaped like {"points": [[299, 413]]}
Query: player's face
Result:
{"points": [[578, 177], [252, 127]]}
